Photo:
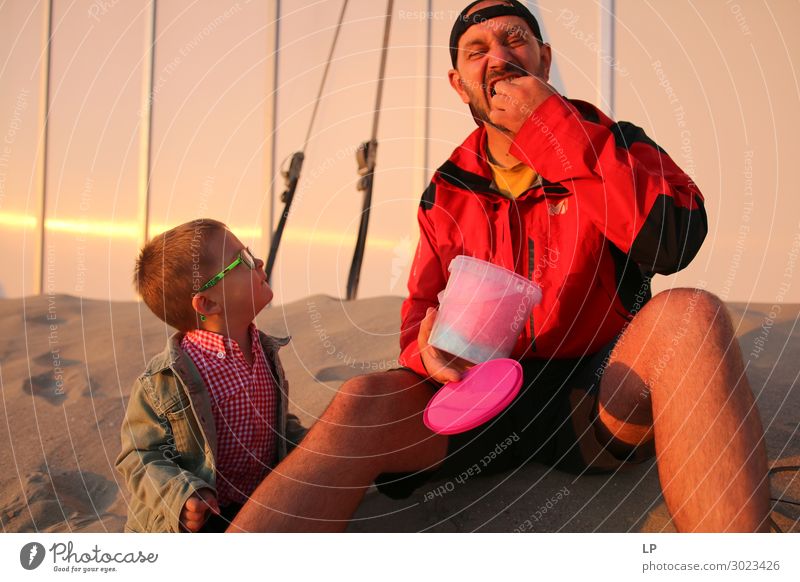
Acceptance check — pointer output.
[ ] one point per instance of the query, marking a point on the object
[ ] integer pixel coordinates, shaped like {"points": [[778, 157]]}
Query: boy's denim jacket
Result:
{"points": [[169, 440]]}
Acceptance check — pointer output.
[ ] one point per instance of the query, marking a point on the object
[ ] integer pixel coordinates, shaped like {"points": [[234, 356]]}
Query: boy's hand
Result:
{"points": [[441, 366], [195, 510]]}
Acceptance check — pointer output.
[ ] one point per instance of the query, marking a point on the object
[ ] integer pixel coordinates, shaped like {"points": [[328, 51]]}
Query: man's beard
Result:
{"points": [[481, 115]]}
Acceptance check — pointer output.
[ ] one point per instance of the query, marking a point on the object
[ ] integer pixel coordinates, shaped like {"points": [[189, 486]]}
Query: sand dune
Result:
{"points": [[66, 368]]}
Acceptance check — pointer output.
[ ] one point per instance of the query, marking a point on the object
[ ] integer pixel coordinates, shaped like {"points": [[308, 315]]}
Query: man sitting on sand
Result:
{"points": [[589, 209], [208, 418]]}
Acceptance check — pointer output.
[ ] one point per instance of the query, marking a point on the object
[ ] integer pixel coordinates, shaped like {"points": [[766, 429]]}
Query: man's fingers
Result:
{"points": [[434, 361], [425, 327], [460, 364], [521, 85], [516, 91], [502, 101], [441, 366], [519, 96], [446, 374], [444, 367], [506, 89]]}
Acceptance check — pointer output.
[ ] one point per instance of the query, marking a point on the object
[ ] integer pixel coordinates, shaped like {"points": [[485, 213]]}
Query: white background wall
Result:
{"points": [[713, 82]]}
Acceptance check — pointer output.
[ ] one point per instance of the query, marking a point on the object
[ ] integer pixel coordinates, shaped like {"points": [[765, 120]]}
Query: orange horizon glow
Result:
{"points": [[110, 229]]}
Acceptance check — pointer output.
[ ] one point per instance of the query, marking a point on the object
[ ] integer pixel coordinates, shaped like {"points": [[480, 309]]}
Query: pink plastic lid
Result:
{"points": [[482, 393]]}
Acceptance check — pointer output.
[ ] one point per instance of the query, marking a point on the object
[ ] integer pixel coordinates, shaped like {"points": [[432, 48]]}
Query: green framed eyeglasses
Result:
{"points": [[245, 257]]}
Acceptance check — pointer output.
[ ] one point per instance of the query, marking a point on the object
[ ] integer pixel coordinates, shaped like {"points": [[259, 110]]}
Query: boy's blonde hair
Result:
{"points": [[173, 266]]}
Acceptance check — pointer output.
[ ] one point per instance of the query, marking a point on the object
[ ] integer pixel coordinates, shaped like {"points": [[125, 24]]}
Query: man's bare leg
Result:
{"points": [[372, 426], [677, 373]]}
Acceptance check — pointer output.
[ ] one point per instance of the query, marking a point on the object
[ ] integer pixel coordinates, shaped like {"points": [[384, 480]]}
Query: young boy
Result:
{"points": [[208, 418]]}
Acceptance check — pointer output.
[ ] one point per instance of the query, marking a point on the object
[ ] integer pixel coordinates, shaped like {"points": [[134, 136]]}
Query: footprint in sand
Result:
{"points": [[47, 360], [39, 316], [68, 501], [56, 384]]}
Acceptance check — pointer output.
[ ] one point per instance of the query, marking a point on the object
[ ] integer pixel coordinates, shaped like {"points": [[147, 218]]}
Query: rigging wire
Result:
{"points": [[295, 161], [366, 156], [324, 76]]}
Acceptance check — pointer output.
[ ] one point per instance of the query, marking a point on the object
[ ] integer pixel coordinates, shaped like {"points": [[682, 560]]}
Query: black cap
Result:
{"points": [[511, 8]]}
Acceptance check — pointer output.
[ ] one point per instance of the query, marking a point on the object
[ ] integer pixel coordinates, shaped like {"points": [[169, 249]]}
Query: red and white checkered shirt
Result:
{"points": [[244, 403]]}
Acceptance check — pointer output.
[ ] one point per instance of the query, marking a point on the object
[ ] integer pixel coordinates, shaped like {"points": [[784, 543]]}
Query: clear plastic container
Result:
{"points": [[482, 310]]}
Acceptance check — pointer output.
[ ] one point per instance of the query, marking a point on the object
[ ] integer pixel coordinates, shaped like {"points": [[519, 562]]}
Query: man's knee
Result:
{"points": [[383, 397], [679, 329], [381, 384], [685, 299], [381, 415], [686, 312]]}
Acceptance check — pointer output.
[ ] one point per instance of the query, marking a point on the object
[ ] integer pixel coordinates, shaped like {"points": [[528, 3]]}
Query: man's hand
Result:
{"points": [[515, 100], [195, 510], [441, 366]]}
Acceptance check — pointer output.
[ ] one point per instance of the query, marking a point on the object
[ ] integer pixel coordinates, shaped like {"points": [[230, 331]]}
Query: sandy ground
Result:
{"points": [[67, 365]]}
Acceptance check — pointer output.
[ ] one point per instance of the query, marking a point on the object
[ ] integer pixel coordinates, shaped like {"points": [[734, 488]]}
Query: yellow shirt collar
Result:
{"points": [[513, 181]]}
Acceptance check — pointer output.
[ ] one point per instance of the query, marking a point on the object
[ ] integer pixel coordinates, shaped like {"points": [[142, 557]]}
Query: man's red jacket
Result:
{"points": [[611, 209]]}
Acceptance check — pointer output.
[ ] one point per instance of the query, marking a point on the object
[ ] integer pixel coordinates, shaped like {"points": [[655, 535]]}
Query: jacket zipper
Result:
{"points": [[531, 269]]}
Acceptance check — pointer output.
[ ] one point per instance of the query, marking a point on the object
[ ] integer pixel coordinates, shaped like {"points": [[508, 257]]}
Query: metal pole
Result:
{"points": [[44, 131], [146, 127], [272, 117], [382, 70], [366, 155], [292, 175], [426, 155], [607, 42]]}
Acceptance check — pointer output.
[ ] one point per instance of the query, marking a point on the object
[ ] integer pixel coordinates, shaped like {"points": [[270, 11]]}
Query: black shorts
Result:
{"points": [[551, 421]]}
